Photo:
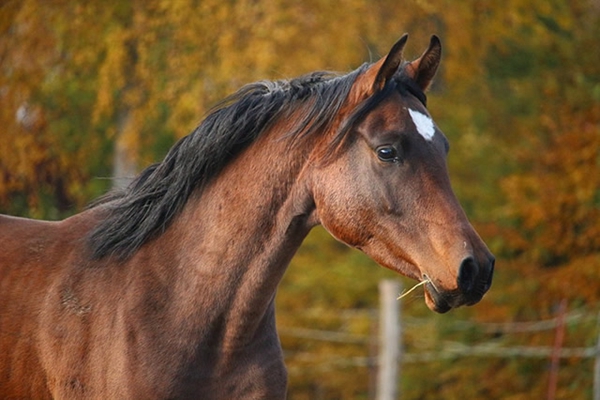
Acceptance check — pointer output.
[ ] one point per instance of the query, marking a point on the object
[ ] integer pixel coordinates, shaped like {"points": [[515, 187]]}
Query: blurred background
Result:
{"points": [[93, 92]]}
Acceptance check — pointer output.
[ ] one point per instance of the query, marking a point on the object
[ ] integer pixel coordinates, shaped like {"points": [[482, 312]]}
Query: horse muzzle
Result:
{"points": [[473, 281]]}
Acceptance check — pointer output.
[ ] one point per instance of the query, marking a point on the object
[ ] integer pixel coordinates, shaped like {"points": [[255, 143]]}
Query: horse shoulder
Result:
{"points": [[36, 257]]}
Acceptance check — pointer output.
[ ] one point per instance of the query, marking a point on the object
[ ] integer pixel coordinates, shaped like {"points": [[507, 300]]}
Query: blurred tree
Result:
{"points": [[29, 170], [553, 113]]}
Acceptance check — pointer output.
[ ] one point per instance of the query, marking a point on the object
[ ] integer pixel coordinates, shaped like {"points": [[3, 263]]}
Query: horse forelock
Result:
{"points": [[405, 85]]}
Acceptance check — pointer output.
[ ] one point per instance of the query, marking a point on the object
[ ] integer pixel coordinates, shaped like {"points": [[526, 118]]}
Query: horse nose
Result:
{"points": [[474, 278], [490, 273], [467, 275]]}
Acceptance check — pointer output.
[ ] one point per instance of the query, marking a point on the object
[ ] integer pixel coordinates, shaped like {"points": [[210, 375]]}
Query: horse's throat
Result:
{"points": [[240, 250]]}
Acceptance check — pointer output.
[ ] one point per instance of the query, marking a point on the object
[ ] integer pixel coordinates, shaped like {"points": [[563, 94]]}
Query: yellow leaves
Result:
{"points": [[112, 76]]}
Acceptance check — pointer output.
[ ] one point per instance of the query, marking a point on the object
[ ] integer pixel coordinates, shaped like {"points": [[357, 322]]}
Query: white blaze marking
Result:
{"points": [[423, 123]]}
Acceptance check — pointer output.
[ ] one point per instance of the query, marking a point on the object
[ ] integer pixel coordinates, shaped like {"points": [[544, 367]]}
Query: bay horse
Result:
{"points": [[166, 289]]}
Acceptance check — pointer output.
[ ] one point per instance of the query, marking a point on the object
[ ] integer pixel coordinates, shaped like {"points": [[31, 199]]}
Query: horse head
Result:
{"points": [[384, 187]]}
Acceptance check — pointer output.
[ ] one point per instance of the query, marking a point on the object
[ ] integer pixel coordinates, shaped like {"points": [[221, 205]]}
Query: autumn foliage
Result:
{"points": [[90, 92]]}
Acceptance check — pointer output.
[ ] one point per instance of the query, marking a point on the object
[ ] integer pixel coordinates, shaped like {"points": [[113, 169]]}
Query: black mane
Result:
{"points": [[149, 204]]}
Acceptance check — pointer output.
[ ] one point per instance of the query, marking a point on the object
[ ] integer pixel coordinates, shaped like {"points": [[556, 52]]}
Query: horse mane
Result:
{"points": [[148, 205], [146, 208]]}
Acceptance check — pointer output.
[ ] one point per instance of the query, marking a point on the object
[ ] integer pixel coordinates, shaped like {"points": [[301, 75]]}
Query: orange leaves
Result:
{"points": [[556, 199]]}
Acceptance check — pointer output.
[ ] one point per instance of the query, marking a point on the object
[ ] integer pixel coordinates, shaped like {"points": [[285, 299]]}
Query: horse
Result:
{"points": [[165, 289]]}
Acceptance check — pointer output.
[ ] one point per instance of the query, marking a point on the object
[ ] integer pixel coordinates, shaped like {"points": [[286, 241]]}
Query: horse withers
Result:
{"points": [[166, 288]]}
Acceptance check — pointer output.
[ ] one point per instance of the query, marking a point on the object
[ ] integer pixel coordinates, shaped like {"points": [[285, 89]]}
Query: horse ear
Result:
{"points": [[423, 69], [390, 64], [377, 75]]}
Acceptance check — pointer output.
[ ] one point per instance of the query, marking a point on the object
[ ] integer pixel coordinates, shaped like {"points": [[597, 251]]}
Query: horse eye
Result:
{"points": [[387, 154]]}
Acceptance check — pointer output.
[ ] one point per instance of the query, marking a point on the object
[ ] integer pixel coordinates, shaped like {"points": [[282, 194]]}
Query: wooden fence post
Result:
{"points": [[597, 365], [389, 340], [556, 349]]}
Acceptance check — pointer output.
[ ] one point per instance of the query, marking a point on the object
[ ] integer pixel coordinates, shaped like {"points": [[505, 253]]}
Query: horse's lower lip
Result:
{"points": [[444, 302], [435, 301]]}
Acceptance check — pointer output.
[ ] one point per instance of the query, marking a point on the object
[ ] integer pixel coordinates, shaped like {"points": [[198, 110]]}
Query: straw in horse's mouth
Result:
{"points": [[423, 282], [440, 304]]}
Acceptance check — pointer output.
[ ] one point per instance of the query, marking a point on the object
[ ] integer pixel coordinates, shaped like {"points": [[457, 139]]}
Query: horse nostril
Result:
{"points": [[467, 275], [488, 282]]}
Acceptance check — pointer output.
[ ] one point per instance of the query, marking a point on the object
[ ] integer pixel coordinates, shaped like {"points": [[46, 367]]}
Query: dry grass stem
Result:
{"points": [[423, 282]]}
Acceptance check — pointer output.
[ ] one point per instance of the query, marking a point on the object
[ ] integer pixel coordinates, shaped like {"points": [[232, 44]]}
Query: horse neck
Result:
{"points": [[233, 243]]}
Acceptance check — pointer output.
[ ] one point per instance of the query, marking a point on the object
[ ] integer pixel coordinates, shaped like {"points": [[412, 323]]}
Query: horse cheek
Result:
{"points": [[344, 216]]}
